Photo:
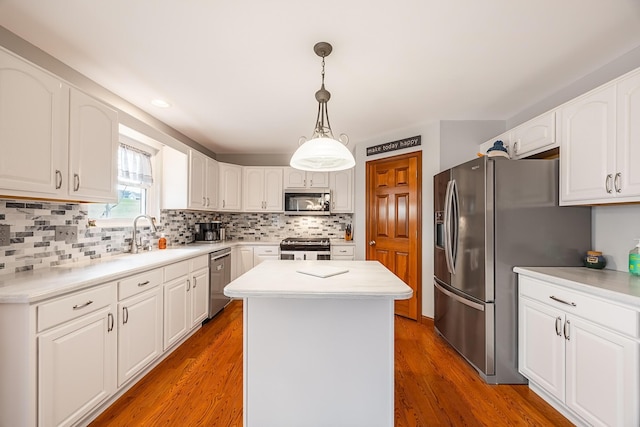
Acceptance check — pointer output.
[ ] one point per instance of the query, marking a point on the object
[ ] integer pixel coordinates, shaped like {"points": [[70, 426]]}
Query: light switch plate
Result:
{"points": [[4, 235], [67, 233]]}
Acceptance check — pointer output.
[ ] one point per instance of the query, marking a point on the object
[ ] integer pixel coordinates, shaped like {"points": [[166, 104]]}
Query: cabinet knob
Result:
{"points": [[58, 179], [76, 182], [617, 182]]}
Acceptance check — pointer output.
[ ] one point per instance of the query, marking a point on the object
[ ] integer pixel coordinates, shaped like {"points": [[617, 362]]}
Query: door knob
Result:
{"points": [[372, 243]]}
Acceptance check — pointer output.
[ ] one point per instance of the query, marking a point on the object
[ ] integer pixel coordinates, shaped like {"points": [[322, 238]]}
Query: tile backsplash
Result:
{"points": [[33, 223]]}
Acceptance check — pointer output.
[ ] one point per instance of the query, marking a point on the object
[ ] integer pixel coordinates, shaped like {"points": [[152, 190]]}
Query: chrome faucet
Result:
{"points": [[134, 236]]}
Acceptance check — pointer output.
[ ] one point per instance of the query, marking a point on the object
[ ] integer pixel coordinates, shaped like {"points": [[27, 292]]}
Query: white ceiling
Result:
{"points": [[241, 75]]}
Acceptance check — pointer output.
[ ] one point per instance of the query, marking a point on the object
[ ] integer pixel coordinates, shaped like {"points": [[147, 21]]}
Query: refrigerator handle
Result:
{"points": [[448, 237], [458, 298]]}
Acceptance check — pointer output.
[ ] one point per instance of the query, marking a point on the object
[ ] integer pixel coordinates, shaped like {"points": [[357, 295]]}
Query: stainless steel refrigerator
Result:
{"points": [[492, 214]]}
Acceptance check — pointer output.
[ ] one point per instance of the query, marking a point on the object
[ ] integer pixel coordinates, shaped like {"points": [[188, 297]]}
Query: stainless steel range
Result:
{"points": [[305, 248]]}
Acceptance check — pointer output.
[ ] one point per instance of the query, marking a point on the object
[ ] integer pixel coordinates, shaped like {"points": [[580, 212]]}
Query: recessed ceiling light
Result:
{"points": [[161, 103]]}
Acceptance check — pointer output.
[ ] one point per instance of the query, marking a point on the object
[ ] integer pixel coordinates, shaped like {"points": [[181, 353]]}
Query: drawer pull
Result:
{"points": [[558, 326], [110, 323], [78, 307], [125, 315], [195, 282], [567, 324], [572, 304], [144, 283]]}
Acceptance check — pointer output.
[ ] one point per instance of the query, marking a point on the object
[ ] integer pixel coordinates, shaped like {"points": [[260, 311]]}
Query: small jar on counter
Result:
{"points": [[595, 259]]}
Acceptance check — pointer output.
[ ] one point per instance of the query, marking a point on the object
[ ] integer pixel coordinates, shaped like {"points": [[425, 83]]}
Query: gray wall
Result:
{"points": [[255, 159], [459, 139]]}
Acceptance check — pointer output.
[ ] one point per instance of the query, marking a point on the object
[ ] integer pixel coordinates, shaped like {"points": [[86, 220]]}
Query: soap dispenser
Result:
{"points": [[634, 260]]}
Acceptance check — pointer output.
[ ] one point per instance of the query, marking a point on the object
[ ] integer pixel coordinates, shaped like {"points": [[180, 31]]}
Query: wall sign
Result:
{"points": [[414, 141]]}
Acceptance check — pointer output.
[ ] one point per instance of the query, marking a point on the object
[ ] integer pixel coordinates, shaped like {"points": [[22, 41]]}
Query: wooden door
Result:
{"points": [[394, 224]]}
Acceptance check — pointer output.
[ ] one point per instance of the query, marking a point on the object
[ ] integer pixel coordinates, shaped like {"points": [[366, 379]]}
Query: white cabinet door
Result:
{"points": [[211, 184], [197, 176], [230, 187], [317, 179], [541, 347], [199, 296], [587, 143], [33, 130], [93, 149], [177, 310], [627, 173], [241, 260], [76, 368], [262, 189], [262, 253], [253, 189], [341, 185], [273, 196], [294, 178], [534, 136], [139, 333], [602, 375]]}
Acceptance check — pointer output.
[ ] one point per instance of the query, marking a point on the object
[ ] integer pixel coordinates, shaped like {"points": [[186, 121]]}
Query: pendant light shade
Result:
{"points": [[323, 152]]}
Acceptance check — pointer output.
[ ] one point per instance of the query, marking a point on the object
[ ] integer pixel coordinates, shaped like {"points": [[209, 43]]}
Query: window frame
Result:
{"points": [[152, 205]]}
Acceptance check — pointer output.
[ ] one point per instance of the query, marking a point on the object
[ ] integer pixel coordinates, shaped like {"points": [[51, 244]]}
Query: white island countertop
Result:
{"points": [[283, 279]]}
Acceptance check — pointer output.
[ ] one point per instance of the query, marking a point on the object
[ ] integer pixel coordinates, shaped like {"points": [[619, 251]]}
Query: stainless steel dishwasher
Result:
{"points": [[219, 277]]}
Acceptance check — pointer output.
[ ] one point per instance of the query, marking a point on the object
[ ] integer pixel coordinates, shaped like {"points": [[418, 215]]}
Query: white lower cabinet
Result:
{"points": [[262, 253], [199, 298], [139, 323], [77, 358], [64, 359], [343, 252], [186, 298], [580, 353], [241, 260]]}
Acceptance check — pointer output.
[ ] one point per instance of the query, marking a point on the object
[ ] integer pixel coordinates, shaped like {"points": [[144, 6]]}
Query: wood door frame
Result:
{"points": [[368, 176]]}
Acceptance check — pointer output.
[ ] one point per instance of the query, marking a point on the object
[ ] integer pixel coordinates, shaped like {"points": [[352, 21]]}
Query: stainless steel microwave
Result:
{"points": [[315, 201]]}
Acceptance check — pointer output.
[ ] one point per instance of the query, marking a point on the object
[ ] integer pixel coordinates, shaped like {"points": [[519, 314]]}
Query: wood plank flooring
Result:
{"points": [[200, 384]]}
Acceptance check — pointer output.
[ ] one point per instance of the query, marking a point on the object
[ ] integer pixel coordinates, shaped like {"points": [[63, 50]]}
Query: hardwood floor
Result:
{"points": [[200, 384]]}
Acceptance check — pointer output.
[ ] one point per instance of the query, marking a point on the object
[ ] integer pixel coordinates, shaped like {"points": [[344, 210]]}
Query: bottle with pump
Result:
{"points": [[162, 242], [634, 260]]}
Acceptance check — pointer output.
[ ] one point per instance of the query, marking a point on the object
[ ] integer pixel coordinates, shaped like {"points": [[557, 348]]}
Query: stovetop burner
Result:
{"points": [[305, 243]]}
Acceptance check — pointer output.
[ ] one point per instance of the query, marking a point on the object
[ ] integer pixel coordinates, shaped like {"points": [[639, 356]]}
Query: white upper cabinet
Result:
{"points": [[230, 197], [93, 149], [203, 182], [627, 171], [294, 178], [56, 142], [262, 189], [534, 136], [600, 145], [341, 185], [33, 130]]}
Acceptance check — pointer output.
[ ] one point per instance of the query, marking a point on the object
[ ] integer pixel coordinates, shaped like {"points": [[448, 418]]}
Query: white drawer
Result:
{"points": [[200, 262], [76, 305], [266, 250], [133, 285], [594, 309], [342, 250], [176, 270]]}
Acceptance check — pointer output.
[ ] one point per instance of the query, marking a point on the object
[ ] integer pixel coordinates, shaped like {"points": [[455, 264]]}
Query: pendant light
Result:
{"points": [[323, 152]]}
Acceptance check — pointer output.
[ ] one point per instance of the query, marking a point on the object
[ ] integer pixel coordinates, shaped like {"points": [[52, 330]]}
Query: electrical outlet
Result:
{"points": [[67, 233], [4, 235]]}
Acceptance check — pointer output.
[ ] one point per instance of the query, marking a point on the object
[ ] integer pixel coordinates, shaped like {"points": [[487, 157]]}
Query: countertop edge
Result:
{"points": [[559, 276]]}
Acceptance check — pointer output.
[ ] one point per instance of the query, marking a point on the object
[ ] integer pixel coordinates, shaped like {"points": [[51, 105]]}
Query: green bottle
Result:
{"points": [[634, 260]]}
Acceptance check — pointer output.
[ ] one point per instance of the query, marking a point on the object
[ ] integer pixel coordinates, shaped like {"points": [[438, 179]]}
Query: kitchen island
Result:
{"points": [[318, 351]]}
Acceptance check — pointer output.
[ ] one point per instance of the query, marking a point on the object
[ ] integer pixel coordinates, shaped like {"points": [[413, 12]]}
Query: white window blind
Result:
{"points": [[134, 166]]}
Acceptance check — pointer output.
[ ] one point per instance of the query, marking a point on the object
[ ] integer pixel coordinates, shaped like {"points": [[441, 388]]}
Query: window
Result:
{"points": [[135, 184]]}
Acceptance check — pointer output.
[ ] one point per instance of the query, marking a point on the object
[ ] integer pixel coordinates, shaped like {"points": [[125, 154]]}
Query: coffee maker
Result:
{"points": [[208, 231]]}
